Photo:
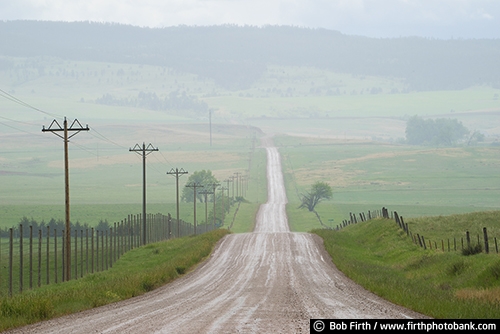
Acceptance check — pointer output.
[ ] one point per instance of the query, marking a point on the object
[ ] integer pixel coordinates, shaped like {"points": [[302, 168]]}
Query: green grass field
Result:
{"points": [[138, 271], [415, 181], [328, 127], [340, 134], [448, 285]]}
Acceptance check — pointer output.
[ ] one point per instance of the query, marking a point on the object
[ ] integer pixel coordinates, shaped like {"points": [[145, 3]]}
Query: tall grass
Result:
{"points": [[382, 258], [138, 271]]}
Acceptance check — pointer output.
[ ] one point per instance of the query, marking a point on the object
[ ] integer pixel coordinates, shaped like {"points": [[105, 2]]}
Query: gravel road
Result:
{"points": [[268, 281]]}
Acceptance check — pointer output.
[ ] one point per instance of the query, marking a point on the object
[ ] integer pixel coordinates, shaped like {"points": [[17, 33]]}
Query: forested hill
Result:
{"points": [[236, 56]]}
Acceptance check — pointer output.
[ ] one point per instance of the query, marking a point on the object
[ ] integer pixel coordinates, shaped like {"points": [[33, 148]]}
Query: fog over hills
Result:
{"points": [[235, 57]]}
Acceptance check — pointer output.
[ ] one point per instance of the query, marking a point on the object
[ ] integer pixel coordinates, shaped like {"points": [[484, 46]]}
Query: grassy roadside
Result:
{"points": [[138, 271], [381, 257]]}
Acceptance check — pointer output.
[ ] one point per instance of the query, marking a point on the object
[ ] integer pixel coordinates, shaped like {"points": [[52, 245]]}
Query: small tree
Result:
{"points": [[319, 191], [203, 177]]}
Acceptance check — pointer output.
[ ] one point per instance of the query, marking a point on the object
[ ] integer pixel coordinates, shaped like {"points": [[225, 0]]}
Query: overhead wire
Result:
{"points": [[14, 99], [95, 133], [18, 129], [102, 137]]}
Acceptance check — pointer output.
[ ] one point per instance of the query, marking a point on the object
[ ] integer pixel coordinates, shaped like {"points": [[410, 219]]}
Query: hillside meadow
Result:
{"points": [[382, 258], [365, 175], [341, 128], [106, 179]]}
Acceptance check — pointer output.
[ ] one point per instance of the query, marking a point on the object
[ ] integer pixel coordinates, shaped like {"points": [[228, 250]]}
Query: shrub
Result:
{"points": [[457, 268], [472, 250]]}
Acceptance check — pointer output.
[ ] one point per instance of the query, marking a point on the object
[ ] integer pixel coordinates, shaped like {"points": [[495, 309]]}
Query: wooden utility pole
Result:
{"points": [[206, 192], [75, 128], [231, 179], [227, 188], [237, 181], [194, 186], [177, 173], [144, 151], [223, 207], [210, 121], [214, 186]]}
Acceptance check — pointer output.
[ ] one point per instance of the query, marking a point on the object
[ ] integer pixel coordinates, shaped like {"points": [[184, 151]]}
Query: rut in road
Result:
{"points": [[267, 281]]}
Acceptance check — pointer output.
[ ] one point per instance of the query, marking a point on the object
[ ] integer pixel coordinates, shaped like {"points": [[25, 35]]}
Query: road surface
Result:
{"points": [[268, 281]]}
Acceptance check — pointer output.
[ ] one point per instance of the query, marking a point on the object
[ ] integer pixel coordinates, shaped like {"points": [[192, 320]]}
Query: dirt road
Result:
{"points": [[268, 281]]}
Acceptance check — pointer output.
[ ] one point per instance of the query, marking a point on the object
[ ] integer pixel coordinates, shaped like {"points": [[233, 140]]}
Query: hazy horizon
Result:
{"points": [[441, 19]]}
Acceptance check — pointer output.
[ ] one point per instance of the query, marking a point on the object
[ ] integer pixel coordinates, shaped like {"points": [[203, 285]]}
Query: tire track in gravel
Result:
{"points": [[267, 281]]}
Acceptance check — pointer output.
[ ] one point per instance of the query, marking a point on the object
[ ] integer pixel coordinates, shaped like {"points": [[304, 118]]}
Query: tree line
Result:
{"points": [[53, 226], [439, 132], [235, 57], [174, 101]]}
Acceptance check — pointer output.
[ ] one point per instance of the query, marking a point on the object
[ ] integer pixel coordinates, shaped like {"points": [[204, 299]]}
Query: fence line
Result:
{"points": [[467, 246], [34, 259]]}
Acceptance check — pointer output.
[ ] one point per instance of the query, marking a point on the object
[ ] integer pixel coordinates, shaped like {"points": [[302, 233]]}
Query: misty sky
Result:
{"points": [[375, 18]]}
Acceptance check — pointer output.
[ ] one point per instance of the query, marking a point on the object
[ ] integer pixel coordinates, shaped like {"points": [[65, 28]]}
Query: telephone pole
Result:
{"points": [[223, 207], [210, 120], [177, 173], [231, 179], [194, 186], [214, 186], [144, 151], [237, 181], [206, 192], [74, 128]]}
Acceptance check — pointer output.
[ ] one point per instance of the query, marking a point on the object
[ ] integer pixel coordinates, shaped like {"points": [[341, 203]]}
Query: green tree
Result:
{"points": [[204, 178], [319, 191], [442, 131]]}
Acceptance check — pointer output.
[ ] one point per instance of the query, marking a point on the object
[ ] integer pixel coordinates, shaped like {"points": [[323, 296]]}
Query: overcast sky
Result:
{"points": [[443, 19]]}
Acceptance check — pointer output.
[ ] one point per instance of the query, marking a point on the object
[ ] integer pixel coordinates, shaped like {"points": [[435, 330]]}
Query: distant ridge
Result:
{"points": [[236, 56]]}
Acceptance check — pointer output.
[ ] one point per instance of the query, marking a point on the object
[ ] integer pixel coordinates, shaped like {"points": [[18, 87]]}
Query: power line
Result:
{"points": [[102, 137], [14, 99], [16, 121]]}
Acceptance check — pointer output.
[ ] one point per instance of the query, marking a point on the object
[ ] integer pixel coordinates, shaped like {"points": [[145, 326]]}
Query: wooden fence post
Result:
{"points": [[113, 243], [486, 245], [102, 250], [63, 260], [76, 254], [81, 253], [48, 251], [97, 251], [31, 258], [11, 259], [55, 255], [21, 256], [107, 249], [92, 250], [39, 283], [86, 251]]}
